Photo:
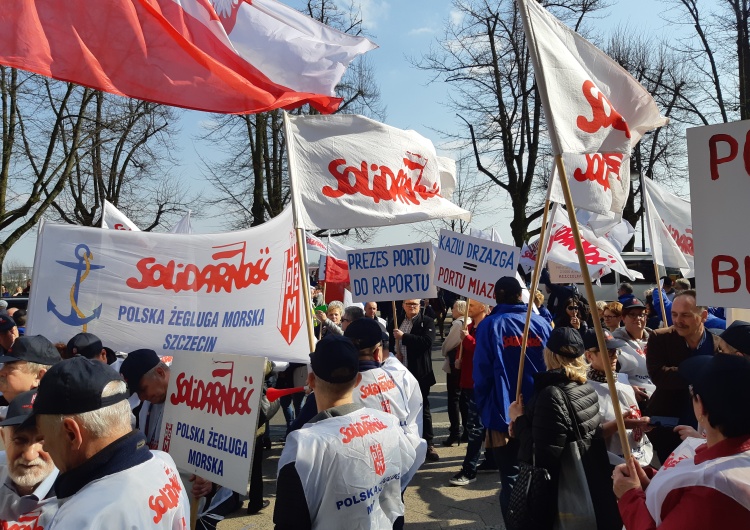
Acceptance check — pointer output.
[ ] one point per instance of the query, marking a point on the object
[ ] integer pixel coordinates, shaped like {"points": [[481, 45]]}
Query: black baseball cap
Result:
{"points": [[20, 409], [85, 344], [75, 386], [136, 365], [365, 333], [6, 322], [564, 336], [737, 335], [509, 285], [632, 303], [720, 380], [590, 342], [335, 359], [34, 349]]}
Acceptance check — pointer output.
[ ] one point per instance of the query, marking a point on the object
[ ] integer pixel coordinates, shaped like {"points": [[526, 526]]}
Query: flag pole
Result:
{"points": [[305, 289], [647, 210], [594, 310], [395, 327], [540, 254], [463, 328]]}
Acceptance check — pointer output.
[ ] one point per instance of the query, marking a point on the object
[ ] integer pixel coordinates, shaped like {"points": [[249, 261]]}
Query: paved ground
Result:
{"points": [[431, 503]]}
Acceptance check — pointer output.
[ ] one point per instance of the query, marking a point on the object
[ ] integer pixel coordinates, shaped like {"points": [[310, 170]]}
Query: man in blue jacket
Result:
{"points": [[496, 363]]}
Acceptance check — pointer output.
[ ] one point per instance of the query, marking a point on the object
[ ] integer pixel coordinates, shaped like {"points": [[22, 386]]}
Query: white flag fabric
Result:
{"points": [[447, 168], [618, 232], [490, 234], [671, 228], [596, 111], [183, 226], [601, 256], [349, 171], [238, 292], [114, 219], [314, 243]]}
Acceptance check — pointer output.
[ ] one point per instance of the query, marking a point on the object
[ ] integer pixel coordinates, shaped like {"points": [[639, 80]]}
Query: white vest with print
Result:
{"points": [[350, 467], [729, 475], [409, 386]]}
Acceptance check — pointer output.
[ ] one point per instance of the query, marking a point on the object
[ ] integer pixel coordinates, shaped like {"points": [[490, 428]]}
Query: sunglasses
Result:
{"points": [[345, 320], [572, 308]]}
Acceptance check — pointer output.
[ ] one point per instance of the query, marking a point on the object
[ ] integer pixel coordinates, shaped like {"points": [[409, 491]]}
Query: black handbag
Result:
{"points": [[530, 492]]}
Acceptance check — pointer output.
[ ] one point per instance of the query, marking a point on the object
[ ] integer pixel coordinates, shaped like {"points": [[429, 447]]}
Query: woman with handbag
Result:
{"points": [[558, 435]]}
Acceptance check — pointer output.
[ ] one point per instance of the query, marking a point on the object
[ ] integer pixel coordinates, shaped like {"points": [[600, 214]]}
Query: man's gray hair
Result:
{"points": [[354, 312], [111, 420]]}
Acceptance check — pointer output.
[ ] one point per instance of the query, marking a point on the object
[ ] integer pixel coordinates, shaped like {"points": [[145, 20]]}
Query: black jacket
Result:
{"points": [[418, 347], [545, 429]]}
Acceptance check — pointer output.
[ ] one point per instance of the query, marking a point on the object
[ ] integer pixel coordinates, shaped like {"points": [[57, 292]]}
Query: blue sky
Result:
{"points": [[402, 29]]}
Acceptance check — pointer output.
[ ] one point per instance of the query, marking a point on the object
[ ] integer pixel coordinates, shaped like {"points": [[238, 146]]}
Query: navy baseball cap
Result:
{"points": [[632, 303], [75, 386], [737, 335], [365, 333], [590, 342], [564, 336], [20, 409], [509, 285], [335, 359], [6, 322], [85, 344], [34, 349], [720, 380], [136, 365]]}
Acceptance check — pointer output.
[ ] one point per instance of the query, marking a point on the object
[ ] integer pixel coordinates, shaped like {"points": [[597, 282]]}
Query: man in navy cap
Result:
{"points": [[735, 340], [25, 363], [27, 473], [108, 476], [8, 332]]}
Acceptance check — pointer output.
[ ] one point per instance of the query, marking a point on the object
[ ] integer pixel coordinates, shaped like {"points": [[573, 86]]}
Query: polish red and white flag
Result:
{"points": [[350, 171], [337, 267], [596, 111], [228, 56]]}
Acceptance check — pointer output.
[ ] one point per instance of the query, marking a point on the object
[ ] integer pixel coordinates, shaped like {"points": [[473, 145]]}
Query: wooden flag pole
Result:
{"points": [[594, 311], [534, 284], [194, 511], [463, 328], [397, 347], [305, 289]]}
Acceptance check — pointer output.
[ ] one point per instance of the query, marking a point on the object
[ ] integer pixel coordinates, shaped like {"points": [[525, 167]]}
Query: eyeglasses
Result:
{"points": [[411, 305], [641, 316], [610, 316], [572, 308], [612, 352], [346, 320]]}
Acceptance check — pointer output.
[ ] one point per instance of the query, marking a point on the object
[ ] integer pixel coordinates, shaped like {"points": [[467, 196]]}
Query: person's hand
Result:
{"points": [[686, 431], [321, 316], [575, 322], [201, 486], [516, 409], [457, 363], [398, 334], [626, 477], [640, 393], [464, 333], [638, 423]]}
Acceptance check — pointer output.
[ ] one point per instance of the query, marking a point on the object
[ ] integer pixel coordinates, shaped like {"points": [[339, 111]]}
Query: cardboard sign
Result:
{"points": [[562, 274], [211, 414], [719, 187], [470, 266], [238, 292], [392, 273]]}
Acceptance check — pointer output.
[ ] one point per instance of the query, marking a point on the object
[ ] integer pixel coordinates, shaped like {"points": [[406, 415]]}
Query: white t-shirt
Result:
{"points": [[632, 361]]}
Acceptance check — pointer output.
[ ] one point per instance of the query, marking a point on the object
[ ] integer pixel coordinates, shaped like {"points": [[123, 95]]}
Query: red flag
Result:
{"points": [[337, 269], [228, 56]]}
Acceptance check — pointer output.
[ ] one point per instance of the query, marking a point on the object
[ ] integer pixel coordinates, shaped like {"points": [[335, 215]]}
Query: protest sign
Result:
{"points": [[392, 273], [238, 292], [211, 414], [470, 266], [562, 274], [718, 157]]}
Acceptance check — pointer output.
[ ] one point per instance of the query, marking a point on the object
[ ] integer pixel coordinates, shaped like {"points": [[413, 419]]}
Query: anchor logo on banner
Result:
{"points": [[82, 268]]}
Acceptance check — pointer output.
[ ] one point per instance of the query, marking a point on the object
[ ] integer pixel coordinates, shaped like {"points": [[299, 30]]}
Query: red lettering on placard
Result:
{"points": [[168, 497], [684, 241], [289, 321], [361, 428], [717, 271], [713, 151], [604, 115], [214, 276], [387, 185], [564, 236], [214, 397], [599, 167]]}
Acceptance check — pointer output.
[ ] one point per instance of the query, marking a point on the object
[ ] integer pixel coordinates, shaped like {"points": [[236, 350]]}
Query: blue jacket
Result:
{"points": [[667, 305], [496, 361]]}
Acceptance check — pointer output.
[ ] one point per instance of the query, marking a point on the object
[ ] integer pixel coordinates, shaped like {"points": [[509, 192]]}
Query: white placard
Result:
{"points": [[470, 266], [399, 272], [562, 274], [211, 414], [718, 156], [238, 292]]}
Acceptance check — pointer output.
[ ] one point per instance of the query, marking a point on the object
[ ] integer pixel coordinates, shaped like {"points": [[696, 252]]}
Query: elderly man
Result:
{"points": [[667, 348], [27, 473], [25, 363], [412, 343], [8, 332], [108, 476], [352, 313]]}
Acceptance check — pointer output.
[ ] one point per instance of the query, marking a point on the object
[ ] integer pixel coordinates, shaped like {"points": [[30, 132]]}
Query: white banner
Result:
{"points": [[672, 228], [211, 414], [470, 266], [719, 188], [238, 292], [399, 272], [348, 171], [114, 219]]}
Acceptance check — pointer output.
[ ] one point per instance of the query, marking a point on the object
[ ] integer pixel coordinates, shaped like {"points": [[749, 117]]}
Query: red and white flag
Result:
{"points": [[596, 111], [349, 171], [671, 228], [114, 219], [337, 268], [228, 56], [314, 243]]}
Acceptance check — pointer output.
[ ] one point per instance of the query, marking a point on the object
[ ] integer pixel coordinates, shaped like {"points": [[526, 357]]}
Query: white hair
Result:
{"points": [[336, 305], [460, 306], [106, 421]]}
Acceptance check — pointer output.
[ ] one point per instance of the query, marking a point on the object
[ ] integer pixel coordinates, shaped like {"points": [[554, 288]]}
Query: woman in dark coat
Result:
{"points": [[572, 314], [544, 428]]}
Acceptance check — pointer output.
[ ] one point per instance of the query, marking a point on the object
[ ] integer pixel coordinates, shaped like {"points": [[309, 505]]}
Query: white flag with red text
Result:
{"points": [[596, 111], [618, 232], [228, 56], [349, 171], [314, 243], [671, 228], [114, 219]]}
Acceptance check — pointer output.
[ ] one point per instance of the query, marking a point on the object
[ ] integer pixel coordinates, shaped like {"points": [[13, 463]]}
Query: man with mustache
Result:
{"points": [[27, 473]]}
